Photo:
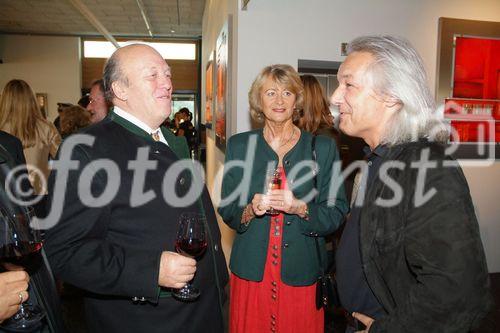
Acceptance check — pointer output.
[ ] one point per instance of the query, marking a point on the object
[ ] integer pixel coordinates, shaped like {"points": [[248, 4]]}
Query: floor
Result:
{"points": [[334, 323]]}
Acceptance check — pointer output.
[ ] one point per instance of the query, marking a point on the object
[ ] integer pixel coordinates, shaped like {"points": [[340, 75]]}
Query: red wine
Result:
{"points": [[24, 254], [276, 183], [192, 248]]}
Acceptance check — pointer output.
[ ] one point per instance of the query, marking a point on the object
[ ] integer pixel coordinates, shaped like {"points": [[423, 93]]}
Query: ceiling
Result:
{"points": [[121, 18]]}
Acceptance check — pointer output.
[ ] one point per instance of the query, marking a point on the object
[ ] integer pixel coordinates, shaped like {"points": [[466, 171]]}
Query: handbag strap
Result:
{"points": [[315, 182]]}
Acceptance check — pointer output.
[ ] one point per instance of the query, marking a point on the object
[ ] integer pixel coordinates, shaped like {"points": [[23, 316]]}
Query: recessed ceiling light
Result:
{"points": [[172, 31]]}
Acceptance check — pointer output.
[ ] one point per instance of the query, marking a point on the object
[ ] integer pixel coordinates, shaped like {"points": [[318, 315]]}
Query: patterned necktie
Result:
{"points": [[156, 135]]}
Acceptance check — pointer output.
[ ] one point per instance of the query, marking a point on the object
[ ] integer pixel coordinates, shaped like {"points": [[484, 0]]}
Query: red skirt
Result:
{"points": [[270, 305]]}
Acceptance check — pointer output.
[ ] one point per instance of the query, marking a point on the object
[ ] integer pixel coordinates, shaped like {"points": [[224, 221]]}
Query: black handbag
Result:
{"points": [[325, 285]]}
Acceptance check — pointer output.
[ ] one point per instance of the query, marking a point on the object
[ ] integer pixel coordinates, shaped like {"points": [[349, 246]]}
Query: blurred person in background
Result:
{"points": [[20, 116], [84, 101], [316, 117], [98, 105], [74, 118], [186, 128]]}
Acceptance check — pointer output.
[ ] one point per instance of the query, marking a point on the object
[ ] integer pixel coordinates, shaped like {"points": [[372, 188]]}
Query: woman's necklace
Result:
{"points": [[282, 144]]}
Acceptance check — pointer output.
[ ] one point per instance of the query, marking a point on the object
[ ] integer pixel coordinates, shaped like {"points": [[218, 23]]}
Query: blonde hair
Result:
{"points": [[316, 113], [73, 118], [20, 114], [284, 75]]}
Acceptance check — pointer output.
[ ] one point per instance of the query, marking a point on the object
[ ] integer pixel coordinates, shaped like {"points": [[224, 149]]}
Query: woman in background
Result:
{"points": [[20, 116], [274, 262], [74, 118], [316, 117]]}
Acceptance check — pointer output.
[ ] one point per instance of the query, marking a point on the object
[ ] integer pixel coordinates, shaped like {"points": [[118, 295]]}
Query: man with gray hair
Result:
{"points": [[410, 258], [120, 247]]}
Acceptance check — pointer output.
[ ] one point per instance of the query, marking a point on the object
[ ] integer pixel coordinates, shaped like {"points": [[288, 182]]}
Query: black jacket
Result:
{"points": [[113, 251], [42, 284], [424, 261]]}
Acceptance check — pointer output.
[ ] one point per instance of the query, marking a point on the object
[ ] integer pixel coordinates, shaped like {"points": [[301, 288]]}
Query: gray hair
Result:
{"points": [[112, 73], [398, 73]]}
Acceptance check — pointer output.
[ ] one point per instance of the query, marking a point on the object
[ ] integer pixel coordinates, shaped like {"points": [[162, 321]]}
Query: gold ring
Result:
{"points": [[21, 298]]}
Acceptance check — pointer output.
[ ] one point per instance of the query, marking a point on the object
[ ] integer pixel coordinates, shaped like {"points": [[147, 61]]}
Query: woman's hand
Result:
{"points": [[259, 204], [13, 291], [285, 201]]}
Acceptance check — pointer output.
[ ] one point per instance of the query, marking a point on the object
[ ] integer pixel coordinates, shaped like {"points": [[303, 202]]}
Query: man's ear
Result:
{"points": [[120, 90], [393, 103]]}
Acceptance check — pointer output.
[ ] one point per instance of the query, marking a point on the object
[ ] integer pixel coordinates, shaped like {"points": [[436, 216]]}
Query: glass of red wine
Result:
{"points": [[274, 183], [191, 241], [20, 246]]}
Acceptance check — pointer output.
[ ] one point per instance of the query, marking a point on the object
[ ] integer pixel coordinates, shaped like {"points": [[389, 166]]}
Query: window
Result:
{"points": [[172, 51]]}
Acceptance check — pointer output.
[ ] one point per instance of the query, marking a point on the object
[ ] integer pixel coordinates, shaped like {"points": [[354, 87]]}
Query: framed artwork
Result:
{"points": [[221, 96], [209, 91], [41, 99], [468, 82]]}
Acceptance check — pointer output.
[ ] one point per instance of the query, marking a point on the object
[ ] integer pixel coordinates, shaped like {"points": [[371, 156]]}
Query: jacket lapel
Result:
{"points": [[177, 144]]}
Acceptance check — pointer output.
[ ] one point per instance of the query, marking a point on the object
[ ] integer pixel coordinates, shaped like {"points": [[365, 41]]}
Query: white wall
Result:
{"points": [[49, 64], [484, 187], [283, 31]]}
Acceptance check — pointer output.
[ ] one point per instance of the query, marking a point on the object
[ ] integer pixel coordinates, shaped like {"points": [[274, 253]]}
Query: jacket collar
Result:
{"points": [[175, 143]]}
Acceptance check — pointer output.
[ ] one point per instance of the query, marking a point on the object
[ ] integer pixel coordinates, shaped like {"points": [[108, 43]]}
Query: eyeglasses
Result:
{"points": [[94, 100]]}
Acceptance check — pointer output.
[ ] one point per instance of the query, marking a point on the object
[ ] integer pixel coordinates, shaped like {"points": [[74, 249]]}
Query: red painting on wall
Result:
{"points": [[474, 108], [477, 68]]}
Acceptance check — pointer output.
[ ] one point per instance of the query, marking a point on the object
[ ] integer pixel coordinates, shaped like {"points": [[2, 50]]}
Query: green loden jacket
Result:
{"points": [[248, 157]]}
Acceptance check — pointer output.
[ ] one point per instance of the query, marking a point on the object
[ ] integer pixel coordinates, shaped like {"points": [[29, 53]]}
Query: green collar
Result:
{"points": [[174, 142]]}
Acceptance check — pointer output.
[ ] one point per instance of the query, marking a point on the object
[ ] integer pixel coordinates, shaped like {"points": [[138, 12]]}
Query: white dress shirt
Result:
{"points": [[137, 122]]}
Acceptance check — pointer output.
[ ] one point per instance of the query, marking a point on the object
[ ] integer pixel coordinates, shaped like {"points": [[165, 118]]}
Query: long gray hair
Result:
{"points": [[398, 73]]}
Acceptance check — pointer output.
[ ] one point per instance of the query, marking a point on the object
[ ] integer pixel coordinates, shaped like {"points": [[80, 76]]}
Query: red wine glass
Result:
{"points": [[191, 241], [20, 246], [274, 183]]}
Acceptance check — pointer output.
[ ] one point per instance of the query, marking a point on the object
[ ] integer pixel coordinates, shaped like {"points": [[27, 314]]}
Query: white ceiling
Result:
{"points": [[119, 17]]}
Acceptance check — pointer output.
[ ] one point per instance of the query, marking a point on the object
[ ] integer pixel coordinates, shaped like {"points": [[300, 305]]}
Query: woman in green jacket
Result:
{"points": [[274, 261]]}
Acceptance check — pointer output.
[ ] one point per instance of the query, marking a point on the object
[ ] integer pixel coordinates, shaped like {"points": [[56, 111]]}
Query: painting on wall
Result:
{"points": [[41, 99], [209, 91], [221, 96], [468, 82]]}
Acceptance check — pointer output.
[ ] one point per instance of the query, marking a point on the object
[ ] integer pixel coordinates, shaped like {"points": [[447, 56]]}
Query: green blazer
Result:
{"points": [[252, 155]]}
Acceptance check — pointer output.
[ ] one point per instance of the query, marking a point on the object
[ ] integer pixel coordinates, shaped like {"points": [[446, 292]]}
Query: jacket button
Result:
{"points": [[135, 299], [288, 222], [216, 248], [285, 245]]}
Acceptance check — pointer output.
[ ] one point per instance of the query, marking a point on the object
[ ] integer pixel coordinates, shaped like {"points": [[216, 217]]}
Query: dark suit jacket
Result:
{"points": [[42, 284], [424, 262], [113, 251]]}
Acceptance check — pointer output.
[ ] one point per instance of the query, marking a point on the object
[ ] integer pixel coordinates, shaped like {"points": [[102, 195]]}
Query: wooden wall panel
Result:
{"points": [[185, 73]]}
